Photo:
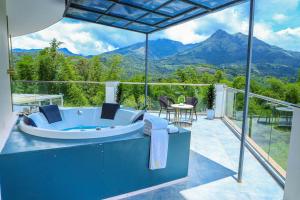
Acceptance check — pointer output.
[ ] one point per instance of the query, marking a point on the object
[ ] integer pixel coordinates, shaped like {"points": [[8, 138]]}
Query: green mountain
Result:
{"points": [[224, 50]]}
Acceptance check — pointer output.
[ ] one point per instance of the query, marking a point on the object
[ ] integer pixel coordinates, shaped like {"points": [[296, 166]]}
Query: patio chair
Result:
{"points": [[165, 104], [192, 101]]}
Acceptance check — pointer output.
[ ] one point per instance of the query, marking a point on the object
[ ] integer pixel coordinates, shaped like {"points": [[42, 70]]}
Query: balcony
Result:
{"points": [[215, 144]]}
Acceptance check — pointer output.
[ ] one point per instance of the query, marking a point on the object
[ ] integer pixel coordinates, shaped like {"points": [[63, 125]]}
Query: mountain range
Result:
{"points": [[221, 49], [65, 51]]}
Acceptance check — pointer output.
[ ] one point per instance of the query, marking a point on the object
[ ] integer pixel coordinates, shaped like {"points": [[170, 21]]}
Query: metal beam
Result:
{"points": [[154, 11], [146, 70], [107, 10], [82, 19], [247, 90], [178, 15], [197, 4], [141, 8], [85, 8]]}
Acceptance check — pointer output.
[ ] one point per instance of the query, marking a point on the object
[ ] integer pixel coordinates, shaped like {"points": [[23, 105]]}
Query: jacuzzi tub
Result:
{"points": [[83, 123]]}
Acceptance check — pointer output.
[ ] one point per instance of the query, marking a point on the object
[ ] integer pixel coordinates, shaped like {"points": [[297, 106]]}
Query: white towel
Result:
{"points": [[158, 149], [172, 129], [155, 123]]}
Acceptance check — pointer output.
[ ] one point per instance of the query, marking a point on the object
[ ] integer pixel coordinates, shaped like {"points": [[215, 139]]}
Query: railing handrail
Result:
{"points": [[170, 84], [127, 83], [284, 103]]}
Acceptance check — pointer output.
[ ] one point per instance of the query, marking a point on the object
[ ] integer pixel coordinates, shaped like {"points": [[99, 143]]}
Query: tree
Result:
{"points": [[96, 70], [219, 76], [275, 88], [48, 61], [73, 93], [25, 68], [114, 69], [82, 68], [239, 82], [292, 94]]}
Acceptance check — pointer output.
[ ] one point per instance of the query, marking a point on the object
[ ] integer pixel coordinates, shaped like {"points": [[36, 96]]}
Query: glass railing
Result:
{"points": [[30, 94], [269, 125], [134, 94]]}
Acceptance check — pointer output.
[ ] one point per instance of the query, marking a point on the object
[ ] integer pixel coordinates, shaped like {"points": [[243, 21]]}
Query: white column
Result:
{"points": [[220, 100], [7, 119], [292, 190], [111, 89]]}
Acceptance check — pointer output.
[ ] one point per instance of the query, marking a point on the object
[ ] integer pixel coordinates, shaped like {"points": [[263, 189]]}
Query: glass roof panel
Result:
{"points": [[152, 18], [175, 7], [211, 3], [141, 27], [98, 5], [144, 16], [182, 17], [112, 21], [149, 4], [126, 12], [76, 13]]}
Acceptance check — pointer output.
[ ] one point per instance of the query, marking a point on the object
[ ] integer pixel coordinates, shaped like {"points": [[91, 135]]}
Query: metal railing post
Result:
{"points": [[247, 90], [146, 71]]}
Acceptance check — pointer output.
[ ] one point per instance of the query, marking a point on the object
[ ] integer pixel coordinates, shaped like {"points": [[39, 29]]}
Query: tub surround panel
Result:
{"points": [[90, 171]]}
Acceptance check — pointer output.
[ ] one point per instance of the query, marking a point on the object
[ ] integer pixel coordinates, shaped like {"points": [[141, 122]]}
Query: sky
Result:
{"points": [[277, 22]]}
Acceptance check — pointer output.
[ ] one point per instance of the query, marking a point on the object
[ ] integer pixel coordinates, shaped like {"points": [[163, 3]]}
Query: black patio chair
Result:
{"points": [[192, 101], [165, 104]]}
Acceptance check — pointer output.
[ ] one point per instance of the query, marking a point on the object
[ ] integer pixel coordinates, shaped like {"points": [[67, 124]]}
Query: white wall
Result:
{"points": [[111, 88], [5, 96], [292, 186]]}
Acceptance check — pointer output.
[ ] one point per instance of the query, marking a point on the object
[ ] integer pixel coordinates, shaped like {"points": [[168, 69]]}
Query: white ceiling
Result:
{"points": [[28, 16]]}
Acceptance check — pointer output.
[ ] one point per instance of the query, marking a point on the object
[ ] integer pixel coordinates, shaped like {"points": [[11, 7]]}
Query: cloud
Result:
{"points": [[279, 18], [185, 33], [289, 38], [267, 8], [79, 37]]}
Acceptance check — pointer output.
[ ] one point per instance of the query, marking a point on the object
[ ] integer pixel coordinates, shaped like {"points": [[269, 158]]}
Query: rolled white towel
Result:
{"points": [[147, 130], [172, 129], [156, 123]]}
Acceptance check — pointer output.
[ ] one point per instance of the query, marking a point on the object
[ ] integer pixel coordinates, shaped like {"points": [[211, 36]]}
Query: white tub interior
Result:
{"points": [[93, 126]]}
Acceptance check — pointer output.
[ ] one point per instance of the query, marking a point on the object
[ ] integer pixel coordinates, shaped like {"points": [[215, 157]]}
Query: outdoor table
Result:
{"points": [[178, 108], [288, 113]]}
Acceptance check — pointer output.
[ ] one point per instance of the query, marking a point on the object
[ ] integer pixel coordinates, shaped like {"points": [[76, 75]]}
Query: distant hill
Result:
{"points": [[158, 49], [65, 51]]}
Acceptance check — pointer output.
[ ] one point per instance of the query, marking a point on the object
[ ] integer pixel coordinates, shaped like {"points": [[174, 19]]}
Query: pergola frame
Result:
{"points": [[157, 26]]}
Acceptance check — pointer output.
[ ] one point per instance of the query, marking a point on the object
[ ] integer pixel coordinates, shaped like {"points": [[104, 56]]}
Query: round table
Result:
{"points": [[285, 113], [178, 108]]}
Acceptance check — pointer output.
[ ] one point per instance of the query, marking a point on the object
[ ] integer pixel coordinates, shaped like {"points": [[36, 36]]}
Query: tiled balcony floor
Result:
{"points": [[213, 170]]}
